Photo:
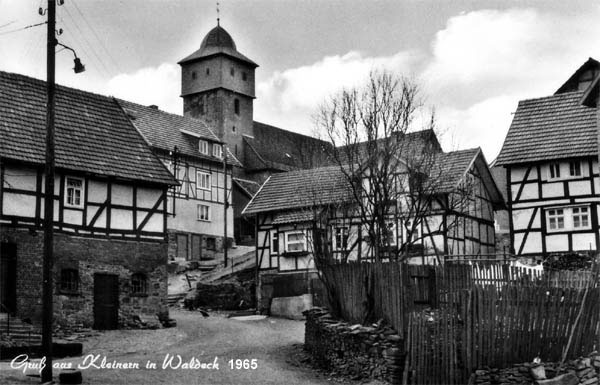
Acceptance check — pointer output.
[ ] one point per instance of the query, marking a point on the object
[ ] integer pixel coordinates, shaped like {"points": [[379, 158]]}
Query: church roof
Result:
{"points": [[273, 148], [92, 134], [217, 42]]}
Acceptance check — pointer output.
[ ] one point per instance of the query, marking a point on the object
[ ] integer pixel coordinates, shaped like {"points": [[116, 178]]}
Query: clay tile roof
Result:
{"points": [[452, 166], [552, 127], [295, 190], [92, 132], [164, 131], [300, 189]]}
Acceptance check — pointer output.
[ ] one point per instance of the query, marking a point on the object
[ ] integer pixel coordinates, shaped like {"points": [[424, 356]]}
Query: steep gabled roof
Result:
{"points": [[273, 148], [249, 187], [552, 127], [92, 134], [326, 185], [572, 84], [300, 189], [164, 131]]}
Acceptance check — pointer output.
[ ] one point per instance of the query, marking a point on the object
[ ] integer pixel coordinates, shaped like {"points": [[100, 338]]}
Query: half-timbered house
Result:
{"points": [[110, 208], [192, 152], [550, 156], [293, 209]]}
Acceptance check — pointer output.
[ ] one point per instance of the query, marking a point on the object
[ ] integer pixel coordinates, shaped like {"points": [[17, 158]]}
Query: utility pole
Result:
{"points": [[225, 206], [47, 295]]}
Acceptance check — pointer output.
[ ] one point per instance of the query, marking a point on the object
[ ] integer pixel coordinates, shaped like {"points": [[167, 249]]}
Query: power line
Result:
{"points": [[87, 46], [7, 24], [22, 28], [111, 58]]}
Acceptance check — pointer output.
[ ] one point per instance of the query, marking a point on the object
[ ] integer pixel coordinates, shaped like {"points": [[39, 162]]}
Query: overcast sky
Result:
{"points": [[473, 59]]}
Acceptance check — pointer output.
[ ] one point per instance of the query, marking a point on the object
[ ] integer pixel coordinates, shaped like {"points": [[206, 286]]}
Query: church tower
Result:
{"points": [[217, 86]]}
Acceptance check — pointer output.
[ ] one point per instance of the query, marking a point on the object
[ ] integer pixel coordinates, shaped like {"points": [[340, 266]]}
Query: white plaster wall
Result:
{"points": [[522, 217], [557, 242], [187, 218], [551, 190], [585, 241], [122, 195], [580, 188]]}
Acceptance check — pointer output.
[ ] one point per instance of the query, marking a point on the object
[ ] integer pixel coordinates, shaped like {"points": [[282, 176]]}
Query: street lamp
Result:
{"points": [[79, 68]]}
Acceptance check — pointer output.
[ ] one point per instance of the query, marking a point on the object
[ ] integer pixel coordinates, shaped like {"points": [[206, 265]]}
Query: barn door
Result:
{"points": [[106, 301], [8, 277]]}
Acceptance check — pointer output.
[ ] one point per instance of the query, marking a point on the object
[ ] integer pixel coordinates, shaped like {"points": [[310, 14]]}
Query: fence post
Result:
{"points": [[433, 295]]}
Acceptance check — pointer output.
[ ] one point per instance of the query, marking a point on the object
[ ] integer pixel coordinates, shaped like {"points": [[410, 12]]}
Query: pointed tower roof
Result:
{"points": [[217, 42]]}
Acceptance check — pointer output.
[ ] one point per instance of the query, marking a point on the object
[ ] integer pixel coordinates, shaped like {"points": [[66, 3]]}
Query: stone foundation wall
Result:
{"points": [[355, 351], [88, 256], [273, 284], [582, 371]]}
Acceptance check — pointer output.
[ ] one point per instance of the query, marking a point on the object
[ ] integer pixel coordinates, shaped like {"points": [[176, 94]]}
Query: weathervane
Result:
{"points": [[218, 18]]}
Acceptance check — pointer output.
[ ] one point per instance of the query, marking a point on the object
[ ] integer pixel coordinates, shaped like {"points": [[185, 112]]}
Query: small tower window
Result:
{"points": [[232, 71], [207, 71], [236, 106], [194, 75], [244, 76], [139, 284], [233, 129], [69, 281]]}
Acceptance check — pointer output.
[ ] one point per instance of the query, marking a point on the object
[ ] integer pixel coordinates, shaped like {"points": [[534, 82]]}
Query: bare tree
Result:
{"points": [[392, 174]]}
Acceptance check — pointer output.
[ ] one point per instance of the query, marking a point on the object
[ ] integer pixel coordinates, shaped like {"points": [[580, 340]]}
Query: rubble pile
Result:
{"points": [[353, 351], [582, 371]]}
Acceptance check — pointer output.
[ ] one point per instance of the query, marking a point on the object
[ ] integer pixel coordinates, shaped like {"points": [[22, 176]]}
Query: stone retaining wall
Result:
{"points": [[583, 371], [355, 351]]}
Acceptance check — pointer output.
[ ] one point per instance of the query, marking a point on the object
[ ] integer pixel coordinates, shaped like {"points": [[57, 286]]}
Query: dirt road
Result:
{"points": [[200, 342]]}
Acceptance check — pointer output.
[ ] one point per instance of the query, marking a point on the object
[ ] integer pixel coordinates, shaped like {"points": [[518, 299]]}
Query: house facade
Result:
{"points": [[110, 208], [293, 209], [195, 155], [550, 157]]}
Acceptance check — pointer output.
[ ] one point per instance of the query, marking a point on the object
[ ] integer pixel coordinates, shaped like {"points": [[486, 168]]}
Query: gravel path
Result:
{"points": [[272, 342]]}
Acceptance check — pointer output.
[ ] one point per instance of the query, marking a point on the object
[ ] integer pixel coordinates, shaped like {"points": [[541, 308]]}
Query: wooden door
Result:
{"points": [[106, 301], [8, 277]]}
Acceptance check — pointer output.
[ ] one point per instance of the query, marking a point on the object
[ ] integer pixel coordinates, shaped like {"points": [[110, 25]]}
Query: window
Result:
{"points": [[581, 218], [203, 146], [390, 233], [244, 76], [232, 71], [295, 242], [236, 106], [554, 170], [194, 75], [341, 238], [211, 243], [233, 129], [73, 192], [414, 232], [203, 180], [207, 71], [556, 219], [274, 242], [69, 281], [217, 151], [203, 213], [575, 168], [139, 284]]}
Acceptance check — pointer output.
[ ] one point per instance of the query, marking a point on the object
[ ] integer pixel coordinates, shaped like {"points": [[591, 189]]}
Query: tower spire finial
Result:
{"points": [[218, 15]]}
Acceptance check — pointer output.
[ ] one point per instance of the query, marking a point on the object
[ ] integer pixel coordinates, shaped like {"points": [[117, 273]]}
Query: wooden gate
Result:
{"points": [[8, 277], [106, 301]]}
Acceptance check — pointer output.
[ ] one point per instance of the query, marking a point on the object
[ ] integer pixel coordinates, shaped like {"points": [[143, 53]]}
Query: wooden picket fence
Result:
{"points": [[497, 327], [484, 314]]}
